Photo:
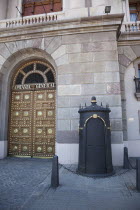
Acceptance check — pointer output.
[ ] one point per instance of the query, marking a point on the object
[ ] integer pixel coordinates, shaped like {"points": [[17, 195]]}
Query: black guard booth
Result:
{"points": [[95, 157]]}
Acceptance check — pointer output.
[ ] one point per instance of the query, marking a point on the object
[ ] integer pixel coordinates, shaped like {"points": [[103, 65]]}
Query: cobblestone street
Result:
{"points": [[25, 184]]}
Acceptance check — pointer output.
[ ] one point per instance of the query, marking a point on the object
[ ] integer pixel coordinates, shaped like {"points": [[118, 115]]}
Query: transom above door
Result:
{"points": [[32, 111]]}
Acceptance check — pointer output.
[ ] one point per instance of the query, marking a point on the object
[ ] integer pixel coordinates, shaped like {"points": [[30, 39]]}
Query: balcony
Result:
{"points": [[137, 85], [32, 20], [132, 26]]}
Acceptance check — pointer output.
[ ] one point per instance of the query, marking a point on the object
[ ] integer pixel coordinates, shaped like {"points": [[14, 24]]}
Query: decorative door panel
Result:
{"points": [[32, 117], [44, 123], [20, 124]]}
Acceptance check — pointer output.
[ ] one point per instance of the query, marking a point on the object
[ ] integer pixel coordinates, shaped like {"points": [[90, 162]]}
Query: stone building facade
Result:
{"points": [[92, 54]]}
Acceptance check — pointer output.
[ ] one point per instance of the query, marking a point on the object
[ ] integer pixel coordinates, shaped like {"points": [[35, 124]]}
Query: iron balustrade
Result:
{"points": [[137, 84]]}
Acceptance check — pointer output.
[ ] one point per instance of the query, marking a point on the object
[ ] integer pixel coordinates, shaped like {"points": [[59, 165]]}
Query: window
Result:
{"points": [[35, 7], [134, 11]]}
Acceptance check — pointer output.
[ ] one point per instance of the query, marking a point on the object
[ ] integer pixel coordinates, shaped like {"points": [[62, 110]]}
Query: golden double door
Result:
{"points": [[32, 123]]}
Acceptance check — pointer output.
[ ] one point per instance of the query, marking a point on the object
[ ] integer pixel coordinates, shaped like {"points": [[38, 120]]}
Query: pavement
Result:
{"points": [[25, 184]]}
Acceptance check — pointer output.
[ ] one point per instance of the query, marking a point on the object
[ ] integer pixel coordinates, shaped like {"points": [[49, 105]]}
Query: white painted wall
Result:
{"points": [[132, 107], [3, 149], [74, 8], [11, 10], [98, 6], [3, 9]]}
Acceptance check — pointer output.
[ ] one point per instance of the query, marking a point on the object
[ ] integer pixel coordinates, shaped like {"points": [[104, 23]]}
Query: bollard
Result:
{"points": [[125, 159], [138, 174], [55, 172]]}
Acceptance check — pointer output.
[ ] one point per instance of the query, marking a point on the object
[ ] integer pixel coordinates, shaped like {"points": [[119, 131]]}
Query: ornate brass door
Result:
{"points": [[32, 120]]}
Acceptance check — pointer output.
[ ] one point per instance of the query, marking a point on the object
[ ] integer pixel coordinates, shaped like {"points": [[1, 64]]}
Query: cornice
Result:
{"points": [[63, 27], [129, 38]]}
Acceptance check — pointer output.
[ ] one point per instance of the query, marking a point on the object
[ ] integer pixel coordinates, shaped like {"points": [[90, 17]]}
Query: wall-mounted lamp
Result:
{"points": [[107, 9]]}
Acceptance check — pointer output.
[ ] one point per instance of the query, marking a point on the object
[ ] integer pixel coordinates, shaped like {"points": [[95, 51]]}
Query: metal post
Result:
{"points": [[138, 174], [125, 159], [55, 172]]}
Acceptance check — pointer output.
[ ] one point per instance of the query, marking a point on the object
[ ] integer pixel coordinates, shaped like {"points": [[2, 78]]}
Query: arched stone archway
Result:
{"points": [[6, 74], [127, 55]]}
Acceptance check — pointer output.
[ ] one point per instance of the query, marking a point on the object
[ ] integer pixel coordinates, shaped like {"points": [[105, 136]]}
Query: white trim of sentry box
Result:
{"points": [[68, 153]]}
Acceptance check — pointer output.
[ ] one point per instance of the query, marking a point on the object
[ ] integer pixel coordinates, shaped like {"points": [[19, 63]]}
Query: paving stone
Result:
{"points": [[25, 184]]}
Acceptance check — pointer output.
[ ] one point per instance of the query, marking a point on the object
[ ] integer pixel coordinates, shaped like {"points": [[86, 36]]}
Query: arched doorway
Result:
{"points": [[32, 124]]}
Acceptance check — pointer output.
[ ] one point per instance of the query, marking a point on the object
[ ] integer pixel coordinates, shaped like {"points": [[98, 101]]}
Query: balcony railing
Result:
{"points": [[131, 26], [30, 20]]}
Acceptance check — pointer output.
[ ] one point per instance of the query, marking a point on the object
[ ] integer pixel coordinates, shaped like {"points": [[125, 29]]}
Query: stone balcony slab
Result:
{"points": [[58, 26]]}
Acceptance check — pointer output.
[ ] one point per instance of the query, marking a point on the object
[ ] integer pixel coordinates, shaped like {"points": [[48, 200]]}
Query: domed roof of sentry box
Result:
{"points": [[94, 107]]}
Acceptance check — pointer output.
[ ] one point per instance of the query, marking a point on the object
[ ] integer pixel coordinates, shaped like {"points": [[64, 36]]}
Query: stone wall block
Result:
{"points": [[64, 79], [106, 77], [120, 50], [63, 113], [2, 60], [123, 95], [74, 113], [116, 137], [33, 43], [59, 52], [82, 78], [121, 77], [69, 90], [113, 88], [68, 137], [37, 43], [93, 89], [7, 64], [99, 46], [64, 125], [112, 100], [76, 38], [63, 101], [136, 50], [47, 41], [103, 36], [12, 47], [73, 48], [124, 61], [124, 124], [54, 44], [64, 59], [20, 44], [80, 57], [116, 113], [29, 43], [77, 68], [129, 53], [76, 101], [116, 125], [122, 69], [75, 124], [106, 56], [105, 66], [4, 51]]}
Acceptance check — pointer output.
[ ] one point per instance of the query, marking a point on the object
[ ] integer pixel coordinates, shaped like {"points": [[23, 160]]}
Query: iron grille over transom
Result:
{"points": [[33, 73]]}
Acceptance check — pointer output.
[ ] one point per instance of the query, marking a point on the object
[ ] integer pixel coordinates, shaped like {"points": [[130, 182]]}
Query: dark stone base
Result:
{"points": [[97, 175]]}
